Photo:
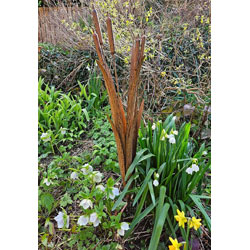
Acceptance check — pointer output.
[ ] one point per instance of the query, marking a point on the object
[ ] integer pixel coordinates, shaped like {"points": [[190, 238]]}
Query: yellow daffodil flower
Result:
{"points": [[181, 218], [175, 244], [194, 223]]}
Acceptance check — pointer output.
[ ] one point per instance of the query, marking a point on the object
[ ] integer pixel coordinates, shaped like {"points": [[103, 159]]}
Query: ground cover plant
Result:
{"points": [[161, 198]]}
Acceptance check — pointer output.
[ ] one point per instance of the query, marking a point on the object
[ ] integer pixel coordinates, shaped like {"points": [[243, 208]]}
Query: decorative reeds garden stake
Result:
{"points": [[125, 128]]}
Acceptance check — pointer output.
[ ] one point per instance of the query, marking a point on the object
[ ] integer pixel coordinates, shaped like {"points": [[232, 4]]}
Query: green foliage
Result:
{"points": [[62, 118], [47, 201]]}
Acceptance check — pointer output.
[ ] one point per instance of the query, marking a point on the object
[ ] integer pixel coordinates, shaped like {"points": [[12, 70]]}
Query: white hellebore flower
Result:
{"points": [[86, 169], [100, 187], [124, 227], [195, 167], [63, 131], [47, 182], [60, 221], [97, 176], [171, 139], [115, 192], [83, 220], [45, 137], [74, 175], [94, 219], [153, 126], [155, 183], [86, 203]]}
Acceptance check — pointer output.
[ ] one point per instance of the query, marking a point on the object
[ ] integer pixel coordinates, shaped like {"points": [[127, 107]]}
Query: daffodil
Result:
{"points": [[194, 223], [175, 244], [181, 218]]}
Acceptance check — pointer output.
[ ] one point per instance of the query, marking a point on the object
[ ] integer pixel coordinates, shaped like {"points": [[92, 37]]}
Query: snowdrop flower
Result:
{"points": [[60, 221], [195, 167], [63, 131], [97, 176], [153, 126], [115, 192], [74, 175], [94, 219], [175, 132], [171, 139], [47, 182], [83, 220], [155, 183], [45, 137], [86, 203], [189, 170], [204, 153], [163, 135], [86, 169], [100, 187], [124, 227]]}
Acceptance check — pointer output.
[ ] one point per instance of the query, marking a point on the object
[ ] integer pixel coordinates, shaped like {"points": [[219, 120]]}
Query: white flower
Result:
{"points": [[163, 135], [96, 222], [86, 203], [86, 169], [189, 170], [171, 138], [204, 153], [97, 176], [83, 220], [195, 167], [100, 187], [174, 118], [47, 182], [74, 175], [124, 227], [155, 183], [63, 131], [153, 126], [115, 192], [60, 221], [120, 232], [157, 175], [45, 137], [175, 132], [93, 217]]}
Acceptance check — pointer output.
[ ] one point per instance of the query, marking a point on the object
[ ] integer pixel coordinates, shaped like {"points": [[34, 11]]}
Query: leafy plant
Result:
{"points": [[62, 118]]}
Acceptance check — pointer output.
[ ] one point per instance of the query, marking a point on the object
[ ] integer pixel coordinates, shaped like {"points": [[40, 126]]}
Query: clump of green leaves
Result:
{"points": [[62, 118]]}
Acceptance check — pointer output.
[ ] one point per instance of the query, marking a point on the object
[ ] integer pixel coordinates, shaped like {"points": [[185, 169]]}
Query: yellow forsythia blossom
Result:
{"points": [[163, 73]]}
